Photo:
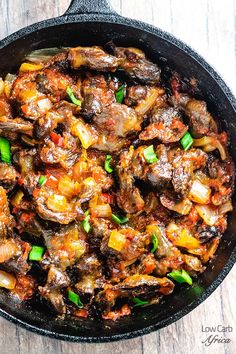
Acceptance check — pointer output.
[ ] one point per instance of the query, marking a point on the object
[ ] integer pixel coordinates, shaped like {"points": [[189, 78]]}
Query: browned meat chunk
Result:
{"points": [[136, 65], [56, 281], [200, 120], [134, 286], [165, 124], [17, 125], [93, 58], [98, 93], [8, 176], [135, 94], [6, 219], [184, 163]]}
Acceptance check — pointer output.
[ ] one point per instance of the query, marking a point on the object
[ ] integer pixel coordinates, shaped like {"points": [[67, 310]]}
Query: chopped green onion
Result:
{"points": [[186, 141], [120, 94], [72, 96], [36, 253], [155, 243], [42, 180], [181, 276], [107, 164], [85, 223], [5, 150], [119, 220], [73, 297], [149, 154], [139, 302]]}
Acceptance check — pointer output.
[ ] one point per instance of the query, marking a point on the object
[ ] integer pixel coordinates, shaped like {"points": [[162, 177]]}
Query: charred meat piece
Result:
{"points": [[65, 246], [14, 255], [61, 113], [134, 286], [53, 84], [184, 163], [56, 281], [6, 220], [118, 120], [17, 125], [8, 176], [166, 125], [93, 58], [31, 102], [98, 93], [128, 197], [135, 64], [200, 120], [135, 94], [90, 270]]}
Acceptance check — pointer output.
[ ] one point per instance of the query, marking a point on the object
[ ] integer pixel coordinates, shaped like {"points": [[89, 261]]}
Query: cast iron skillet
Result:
{"points": [[89, 22]]}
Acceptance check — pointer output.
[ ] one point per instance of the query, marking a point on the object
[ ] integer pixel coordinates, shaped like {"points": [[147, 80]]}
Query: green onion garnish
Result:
{"points": [[149, 154], [42, 180], [36, 253], [72, 96], [139, 302], [186, 141], [155, 243], [85, 223], [5, 150], [73, 297], [107, 164], [181, 276], [120, 94], [119, 220]]}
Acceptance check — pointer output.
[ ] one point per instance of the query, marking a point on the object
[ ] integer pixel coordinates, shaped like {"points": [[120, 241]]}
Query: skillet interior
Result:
{"points": [[99, 29]]}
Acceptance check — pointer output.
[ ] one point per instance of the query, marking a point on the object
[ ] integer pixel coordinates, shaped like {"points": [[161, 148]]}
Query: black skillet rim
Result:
{"points": [[110, 18]]}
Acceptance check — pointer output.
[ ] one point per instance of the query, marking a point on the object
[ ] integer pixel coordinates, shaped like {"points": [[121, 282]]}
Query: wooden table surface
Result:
{"points": [[209, 27]]}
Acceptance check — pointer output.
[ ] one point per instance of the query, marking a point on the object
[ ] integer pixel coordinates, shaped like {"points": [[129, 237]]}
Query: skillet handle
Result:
{"points": [[90, 6]]}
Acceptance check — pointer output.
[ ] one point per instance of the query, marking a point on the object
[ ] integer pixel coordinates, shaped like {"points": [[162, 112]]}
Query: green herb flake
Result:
{"points": [[85, 223], [119, 219], [139, 302], [186, 141], [150, 155], [72, 96], [154, 242], [73, 297], [36, 253], [120, 93], [181, 276], [107, 165]]}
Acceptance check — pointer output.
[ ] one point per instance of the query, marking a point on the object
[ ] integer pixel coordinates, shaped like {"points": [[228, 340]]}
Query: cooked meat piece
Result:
{"points": [[66, 245], [8, 176], [61, 113], [98, 93], [134, 247], [110, 143], [17, 125], [16, 253], [206, 233], [193, 264], [158, 174], [93, 58], [135, 64], [31, 101], [55, 298], [54, 154], [25, 287], [57, 279], [118, 120], [53, 84], [6, 219], [134, 286], [200, 120], [90, 270], [135, 94], [165, 124], [128, 197], [169, 201], [184, 163], [5, 107], [29, 223]]}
